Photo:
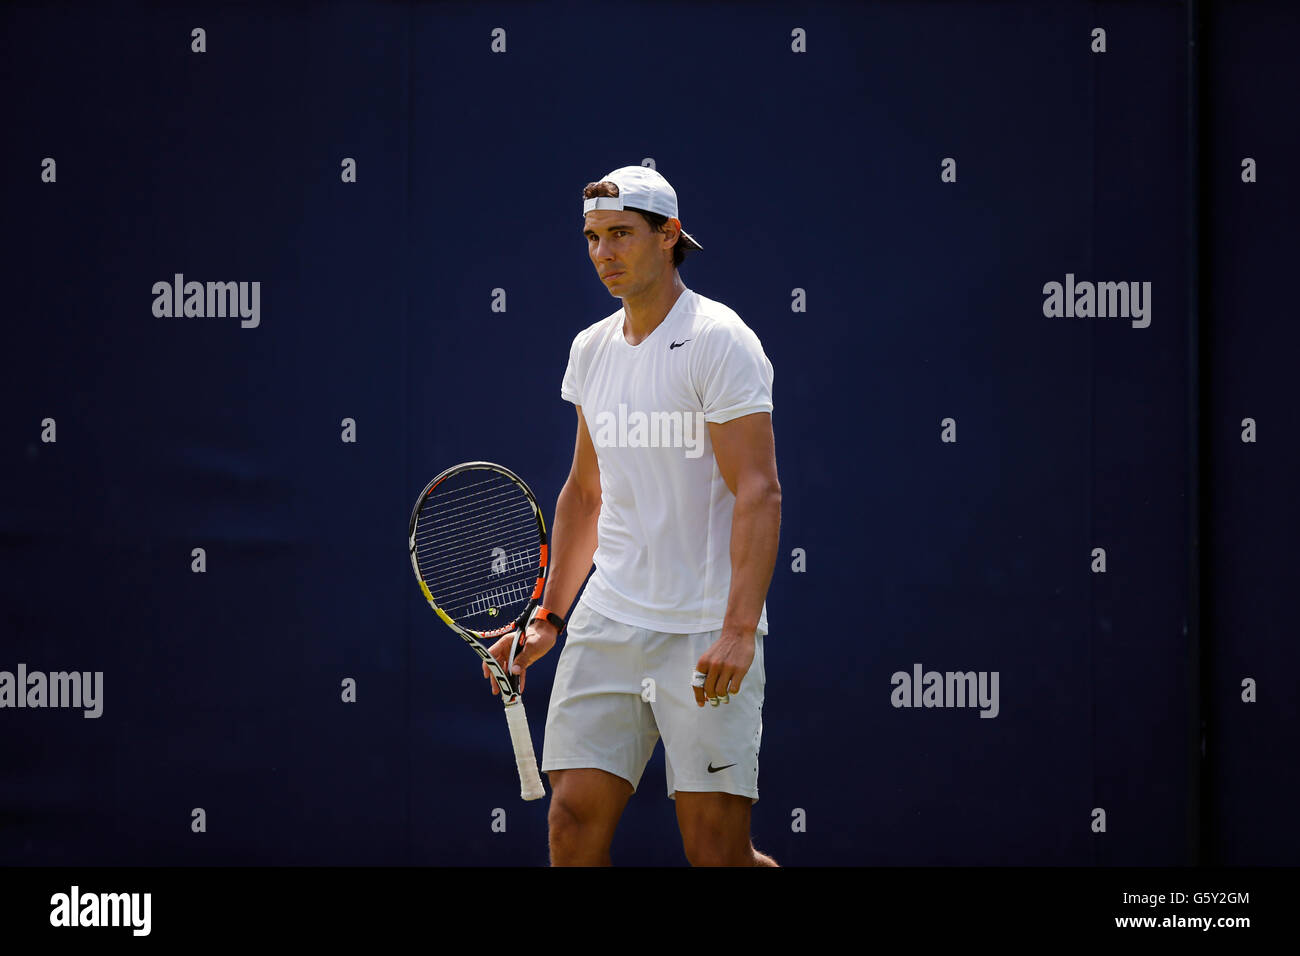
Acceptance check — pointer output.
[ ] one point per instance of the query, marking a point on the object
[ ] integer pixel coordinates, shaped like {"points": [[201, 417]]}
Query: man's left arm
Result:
{"points": [[745, 451]]}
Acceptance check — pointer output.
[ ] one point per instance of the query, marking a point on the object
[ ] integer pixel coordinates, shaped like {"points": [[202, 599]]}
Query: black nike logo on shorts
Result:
{"points": [[713, 769]]}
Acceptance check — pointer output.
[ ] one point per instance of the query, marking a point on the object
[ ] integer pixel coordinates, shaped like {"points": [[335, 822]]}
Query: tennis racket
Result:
{"points": [[478, 547]]}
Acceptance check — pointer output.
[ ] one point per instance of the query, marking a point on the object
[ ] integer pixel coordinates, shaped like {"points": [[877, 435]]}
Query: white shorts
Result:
{"points": [[618, 688]]}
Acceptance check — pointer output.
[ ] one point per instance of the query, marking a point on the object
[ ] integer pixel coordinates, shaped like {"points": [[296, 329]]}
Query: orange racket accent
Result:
{"points": [[543, 555], [537, 591]]}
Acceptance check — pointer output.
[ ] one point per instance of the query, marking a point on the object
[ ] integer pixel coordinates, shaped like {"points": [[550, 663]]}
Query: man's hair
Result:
{"points": [[657, 222]]}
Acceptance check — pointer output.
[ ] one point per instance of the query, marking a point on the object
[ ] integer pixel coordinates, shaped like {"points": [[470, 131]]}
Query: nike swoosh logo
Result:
{"points": [[713, 769], [677, 345]]}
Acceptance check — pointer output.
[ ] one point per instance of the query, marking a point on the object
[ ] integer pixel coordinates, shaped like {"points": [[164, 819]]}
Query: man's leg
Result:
{"points": [[586, 805], [715, 830], [599, 736], [711, 753]]}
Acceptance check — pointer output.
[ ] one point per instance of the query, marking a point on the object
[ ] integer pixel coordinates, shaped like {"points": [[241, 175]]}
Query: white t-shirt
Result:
{"points": [[663, 554]]}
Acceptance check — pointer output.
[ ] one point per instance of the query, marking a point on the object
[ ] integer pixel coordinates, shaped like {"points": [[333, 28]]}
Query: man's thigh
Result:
{"points": [[718, 821], [586, 805], [597, 719], [590, 796]]}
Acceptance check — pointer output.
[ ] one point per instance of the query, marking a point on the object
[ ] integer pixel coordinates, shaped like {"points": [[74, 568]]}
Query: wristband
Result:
{"points": [[549, 616]]}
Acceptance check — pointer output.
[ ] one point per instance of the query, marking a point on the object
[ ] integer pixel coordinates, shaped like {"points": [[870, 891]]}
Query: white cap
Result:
{"points": [[640, 187]]}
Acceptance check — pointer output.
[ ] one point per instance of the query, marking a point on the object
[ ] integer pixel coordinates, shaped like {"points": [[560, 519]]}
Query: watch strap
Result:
{"points": [[550, 616]]}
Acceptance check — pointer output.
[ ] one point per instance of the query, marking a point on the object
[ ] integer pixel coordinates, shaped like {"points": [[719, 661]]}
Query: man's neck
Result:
{"points": [[645, 313]]}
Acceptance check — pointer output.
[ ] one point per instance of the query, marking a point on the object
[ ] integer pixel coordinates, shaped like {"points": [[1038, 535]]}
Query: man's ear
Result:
{"points": [[679, 228]]}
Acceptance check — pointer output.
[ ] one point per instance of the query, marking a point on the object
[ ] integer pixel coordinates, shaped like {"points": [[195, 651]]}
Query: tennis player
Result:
{"points": [[673, 493]]}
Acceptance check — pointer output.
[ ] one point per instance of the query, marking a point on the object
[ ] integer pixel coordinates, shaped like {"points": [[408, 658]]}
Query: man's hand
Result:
{"points": [[725, 663], [538, 639]]}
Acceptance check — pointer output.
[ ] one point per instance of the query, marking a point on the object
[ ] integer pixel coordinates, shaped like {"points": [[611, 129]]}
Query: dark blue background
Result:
{"points": [[817, 171]]}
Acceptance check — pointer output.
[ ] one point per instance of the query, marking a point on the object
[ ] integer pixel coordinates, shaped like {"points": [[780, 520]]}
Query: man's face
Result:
{"points": [[628, 255]]}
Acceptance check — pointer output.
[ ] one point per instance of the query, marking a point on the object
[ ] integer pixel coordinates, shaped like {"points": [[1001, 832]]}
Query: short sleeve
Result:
{"points": [[734, 375], [575, 374]]}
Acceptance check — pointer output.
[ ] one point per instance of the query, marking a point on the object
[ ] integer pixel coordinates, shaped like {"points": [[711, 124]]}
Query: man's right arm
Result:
{"points": [[573, 535], [572, 547]]}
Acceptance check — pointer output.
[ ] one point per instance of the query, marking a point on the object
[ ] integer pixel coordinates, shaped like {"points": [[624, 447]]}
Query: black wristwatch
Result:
{"points": [[549, 616]]}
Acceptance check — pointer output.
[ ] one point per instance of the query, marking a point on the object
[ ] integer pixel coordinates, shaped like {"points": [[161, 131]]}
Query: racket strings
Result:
{"points": [[480, 594], [500, 597], [464, 566], [478, 547], [441, 516], [464, 528], [487, 553], [495, 589], [440, 558], [455, 511]]}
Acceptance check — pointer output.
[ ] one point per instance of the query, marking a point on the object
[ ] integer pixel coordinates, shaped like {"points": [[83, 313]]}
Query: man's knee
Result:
{"points": [[569, 815], [715, 829], [587, 796], [585, 809], [708, 844], [721, 849], [716, 853]]}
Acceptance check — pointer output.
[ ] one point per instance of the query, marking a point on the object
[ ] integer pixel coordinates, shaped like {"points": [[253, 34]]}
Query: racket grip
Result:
{"points": [[530, 783]]}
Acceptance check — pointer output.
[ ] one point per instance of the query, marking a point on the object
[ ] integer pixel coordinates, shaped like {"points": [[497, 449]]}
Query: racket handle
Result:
{"points": [[530, 783]]}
